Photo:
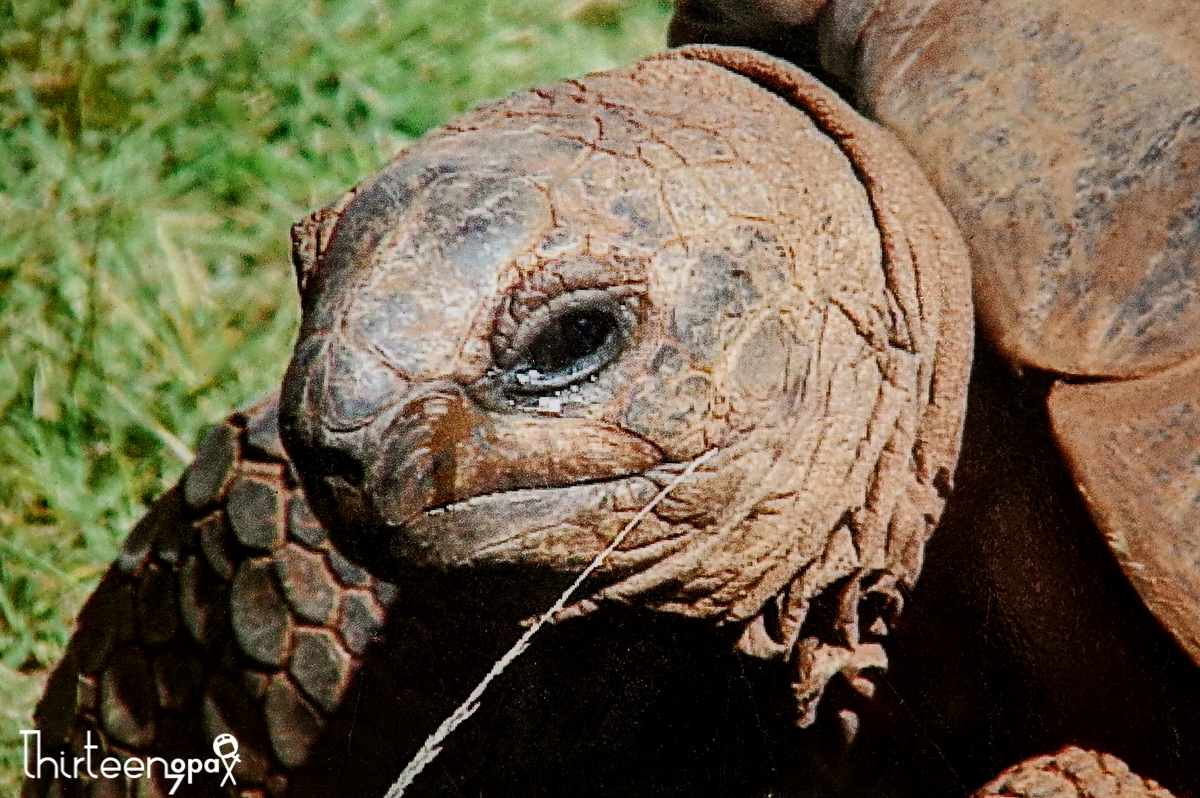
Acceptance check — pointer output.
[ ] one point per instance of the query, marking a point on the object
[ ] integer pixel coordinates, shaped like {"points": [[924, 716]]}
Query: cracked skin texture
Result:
{"points": [[671, 709], [811, 323], [274, 669], [784, 288], [1063, 136]]}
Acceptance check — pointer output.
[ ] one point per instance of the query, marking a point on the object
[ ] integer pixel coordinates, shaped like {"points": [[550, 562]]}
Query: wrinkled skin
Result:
{"points": [[754, 294], [523, 327], [1062, 135]]}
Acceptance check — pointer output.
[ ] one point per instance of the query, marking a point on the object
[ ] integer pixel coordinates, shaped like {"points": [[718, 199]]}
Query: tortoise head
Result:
{"points": [[531, 320]]}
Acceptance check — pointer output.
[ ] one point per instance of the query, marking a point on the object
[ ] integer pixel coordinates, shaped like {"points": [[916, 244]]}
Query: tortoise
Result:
{"points": [[1063, 138], [474, 428]]}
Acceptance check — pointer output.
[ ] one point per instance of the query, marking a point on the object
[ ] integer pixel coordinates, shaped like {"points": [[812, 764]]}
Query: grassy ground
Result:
{"points": [[152, 157]]}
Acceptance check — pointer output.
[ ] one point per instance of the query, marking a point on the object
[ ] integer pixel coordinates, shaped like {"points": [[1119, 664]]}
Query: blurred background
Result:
{"points": [[153, 155]]}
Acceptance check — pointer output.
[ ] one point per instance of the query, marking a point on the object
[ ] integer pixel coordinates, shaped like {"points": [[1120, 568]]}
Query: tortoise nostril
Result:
{"points": [[396, 464], [359, 387]]}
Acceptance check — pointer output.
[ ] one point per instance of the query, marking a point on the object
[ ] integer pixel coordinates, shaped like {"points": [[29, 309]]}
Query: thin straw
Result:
{"points": [[432, 745]]}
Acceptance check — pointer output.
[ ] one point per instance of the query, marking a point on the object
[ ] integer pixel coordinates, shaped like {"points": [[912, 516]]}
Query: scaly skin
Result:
{"points": [[1063, 136], [227, 612], [780, 283], [1071, 773]]}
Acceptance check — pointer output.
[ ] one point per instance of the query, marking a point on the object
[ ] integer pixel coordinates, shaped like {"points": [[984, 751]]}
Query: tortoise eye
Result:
{"points": [[572, 339]]}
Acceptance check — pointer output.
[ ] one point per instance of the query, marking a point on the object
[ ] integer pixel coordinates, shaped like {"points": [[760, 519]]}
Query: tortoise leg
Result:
{"points": [[230, 611], [1134, 448], [1071, 773], [227, 611]]}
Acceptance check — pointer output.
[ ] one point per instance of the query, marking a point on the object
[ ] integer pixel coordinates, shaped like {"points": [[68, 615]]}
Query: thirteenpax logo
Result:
{"points": [[225, 747]]}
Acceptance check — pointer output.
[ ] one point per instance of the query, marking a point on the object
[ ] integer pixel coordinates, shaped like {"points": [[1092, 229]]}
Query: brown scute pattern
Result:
{"points": [[254, 510], [202, 601], [307, 583], [261, 624], [226, 611], [208, 477], [214, 542], [294, 723], [1072, 773], [1078, 197], [321, 666], [361, 614]]}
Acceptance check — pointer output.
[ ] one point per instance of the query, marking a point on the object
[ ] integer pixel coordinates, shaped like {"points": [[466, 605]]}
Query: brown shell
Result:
{"points": [[1064, 136]]}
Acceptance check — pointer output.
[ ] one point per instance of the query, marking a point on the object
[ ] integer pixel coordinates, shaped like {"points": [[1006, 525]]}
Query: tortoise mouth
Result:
{"points": [[560, 528], [492, 500], [431, 455]]}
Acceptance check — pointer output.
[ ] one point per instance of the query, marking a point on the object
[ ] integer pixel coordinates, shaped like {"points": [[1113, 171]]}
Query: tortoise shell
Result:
{"points": [[1064, 138]]}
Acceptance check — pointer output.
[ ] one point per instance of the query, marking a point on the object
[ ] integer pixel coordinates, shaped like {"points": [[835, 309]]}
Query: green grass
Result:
{"points": [[152, 157]]}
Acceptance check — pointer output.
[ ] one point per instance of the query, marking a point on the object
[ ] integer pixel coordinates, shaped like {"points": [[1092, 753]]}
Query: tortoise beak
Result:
{"points": [[374, 461]]}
